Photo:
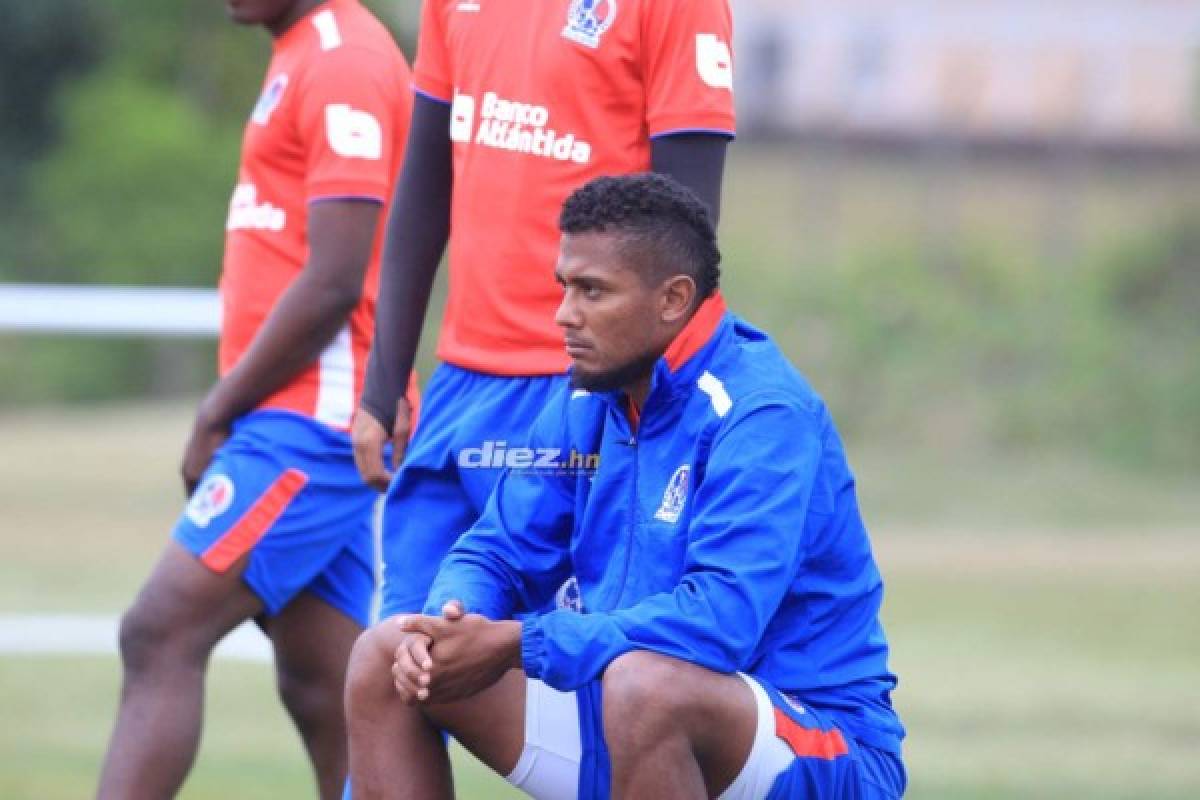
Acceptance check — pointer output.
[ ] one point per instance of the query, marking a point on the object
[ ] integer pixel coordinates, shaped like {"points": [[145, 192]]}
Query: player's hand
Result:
{"points": [[370, 437], [207, 436], [401, 430], [469, 653], [411, 667]]}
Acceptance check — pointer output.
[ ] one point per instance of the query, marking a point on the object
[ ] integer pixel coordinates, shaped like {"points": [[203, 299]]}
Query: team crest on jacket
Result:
{"points": [[212, 499], [675, 495], [268, 101], [588, 20], [568, 596]]}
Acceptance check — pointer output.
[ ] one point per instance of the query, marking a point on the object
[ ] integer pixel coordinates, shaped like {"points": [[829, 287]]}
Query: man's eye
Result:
{"points": [[591, 292]]}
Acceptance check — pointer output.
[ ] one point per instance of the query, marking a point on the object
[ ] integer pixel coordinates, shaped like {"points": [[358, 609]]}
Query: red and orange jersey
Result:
{"points": [[544, 99], [330, 124]]}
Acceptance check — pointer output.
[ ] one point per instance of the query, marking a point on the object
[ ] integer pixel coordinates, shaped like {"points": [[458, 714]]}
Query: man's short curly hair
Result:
{"points": [[666, 228]]}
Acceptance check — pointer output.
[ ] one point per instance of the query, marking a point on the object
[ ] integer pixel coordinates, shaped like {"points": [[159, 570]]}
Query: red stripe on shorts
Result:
{"points": [[809, 742], [253, 525]]}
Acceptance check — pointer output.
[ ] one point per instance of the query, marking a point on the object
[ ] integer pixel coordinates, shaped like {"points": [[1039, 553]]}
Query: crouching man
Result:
{"points": [[720, 637]]}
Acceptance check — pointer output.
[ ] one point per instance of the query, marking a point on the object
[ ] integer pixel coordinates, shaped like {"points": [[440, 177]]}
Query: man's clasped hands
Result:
{"points": [[454, 656]]}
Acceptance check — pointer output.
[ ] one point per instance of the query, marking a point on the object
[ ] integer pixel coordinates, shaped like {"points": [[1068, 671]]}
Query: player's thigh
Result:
{"points": [[183, 601], [312, 640], [648, 696]]}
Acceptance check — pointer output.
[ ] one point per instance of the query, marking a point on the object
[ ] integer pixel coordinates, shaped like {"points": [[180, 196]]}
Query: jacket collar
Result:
{"points": [[677, 371], [697, 333]]}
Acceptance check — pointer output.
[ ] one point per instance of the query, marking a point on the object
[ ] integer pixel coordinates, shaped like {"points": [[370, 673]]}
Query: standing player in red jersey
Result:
{"points": [[278, 527], [515, 108]]}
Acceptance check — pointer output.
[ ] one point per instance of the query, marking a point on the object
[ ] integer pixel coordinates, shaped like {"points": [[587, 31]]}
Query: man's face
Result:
{"points": [[257, 12], [612, 319]]}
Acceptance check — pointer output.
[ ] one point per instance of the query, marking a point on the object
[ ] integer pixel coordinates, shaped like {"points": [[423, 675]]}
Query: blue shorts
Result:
{"points": [[284, 489], [804, 749], [469, 420], [828, 763]]}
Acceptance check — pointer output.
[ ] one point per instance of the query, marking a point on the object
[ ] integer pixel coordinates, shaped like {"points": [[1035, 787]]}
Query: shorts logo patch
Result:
{"points": [[268, 101], [675, 495], [588, 20], [212, 499]]}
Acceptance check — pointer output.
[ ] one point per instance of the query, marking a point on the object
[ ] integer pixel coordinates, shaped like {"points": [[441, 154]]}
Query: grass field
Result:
{"points": [[1042, 615]]}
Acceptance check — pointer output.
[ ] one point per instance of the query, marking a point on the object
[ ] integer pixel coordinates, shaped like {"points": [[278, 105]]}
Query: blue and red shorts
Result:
{"points": [[799, 753], [469, 421], [284, 489]]}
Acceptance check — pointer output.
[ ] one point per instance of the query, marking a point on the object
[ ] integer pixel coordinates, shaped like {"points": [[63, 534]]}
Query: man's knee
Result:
{"points": [[148, 639], [369, 673], [312, 699], [649, 689]]}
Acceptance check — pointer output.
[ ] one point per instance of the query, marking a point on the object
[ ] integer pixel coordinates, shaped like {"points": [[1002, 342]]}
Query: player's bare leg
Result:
{"points": [[166, 638], [396, 750], [312, 642], [673, 729]]}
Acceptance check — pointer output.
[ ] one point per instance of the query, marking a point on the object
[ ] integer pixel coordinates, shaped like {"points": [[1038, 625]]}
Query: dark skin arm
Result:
{"points": [[304, 320], [418, 227], [417, 230], [453, 657]]}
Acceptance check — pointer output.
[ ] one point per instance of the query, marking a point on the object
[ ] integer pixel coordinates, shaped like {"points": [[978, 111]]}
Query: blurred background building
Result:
{"points": [[1111, 72]]}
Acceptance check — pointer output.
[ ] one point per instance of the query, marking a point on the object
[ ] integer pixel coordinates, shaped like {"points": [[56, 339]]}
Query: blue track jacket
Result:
{"points": [[722, 530]]}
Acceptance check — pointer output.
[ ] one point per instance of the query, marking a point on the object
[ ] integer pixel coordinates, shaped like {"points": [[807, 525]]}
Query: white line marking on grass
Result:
{"points": [[82, 634]]}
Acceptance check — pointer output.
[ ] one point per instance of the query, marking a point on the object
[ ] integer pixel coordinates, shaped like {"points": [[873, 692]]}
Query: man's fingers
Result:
{"points": [[453, 609], [418, 648], [368, 457], [418, 623], [410, 670], [400, 431], [407, 689], [368, 437]]}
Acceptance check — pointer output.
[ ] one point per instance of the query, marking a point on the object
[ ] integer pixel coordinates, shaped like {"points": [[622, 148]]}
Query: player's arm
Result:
{"points": [[417, 229], [305, 319], [744, 546], [687, 71], [697, 160]]}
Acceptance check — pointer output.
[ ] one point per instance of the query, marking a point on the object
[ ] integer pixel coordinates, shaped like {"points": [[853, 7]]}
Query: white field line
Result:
{"points": [[82, 635]]}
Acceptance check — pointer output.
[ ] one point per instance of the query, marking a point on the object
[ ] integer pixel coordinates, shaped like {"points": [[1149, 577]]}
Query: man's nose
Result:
{"points": [[567, 315]]}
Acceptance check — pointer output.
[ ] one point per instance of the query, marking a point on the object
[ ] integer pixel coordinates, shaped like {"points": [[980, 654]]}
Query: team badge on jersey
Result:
{"points": [[588, 20], [212, 499], [268, 101], [675, 495]]}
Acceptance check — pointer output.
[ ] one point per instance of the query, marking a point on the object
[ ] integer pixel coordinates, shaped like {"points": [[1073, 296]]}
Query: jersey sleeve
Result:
{"points": [[745, 545], [687, 65], [347, 116], [432, 75]]}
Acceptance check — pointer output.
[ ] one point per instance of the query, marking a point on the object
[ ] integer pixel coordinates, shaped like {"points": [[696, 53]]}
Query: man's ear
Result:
{"points": [[678, 294]]}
